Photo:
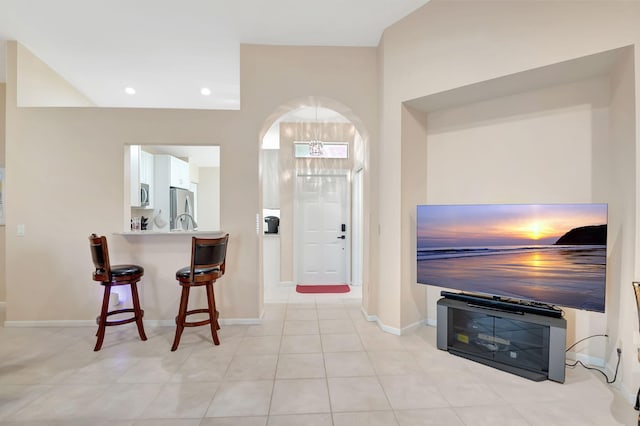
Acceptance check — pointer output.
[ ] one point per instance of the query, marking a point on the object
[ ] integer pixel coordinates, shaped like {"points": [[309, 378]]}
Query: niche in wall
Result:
{"points": [[559, 133]]}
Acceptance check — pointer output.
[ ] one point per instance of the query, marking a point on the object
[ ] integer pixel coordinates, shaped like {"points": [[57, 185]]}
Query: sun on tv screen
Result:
{"points": [[554, 254]]}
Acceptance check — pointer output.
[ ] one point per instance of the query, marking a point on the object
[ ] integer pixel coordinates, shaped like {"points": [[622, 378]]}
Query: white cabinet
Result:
{"points": [[175, 170], [179, 173], [134, 174], [146, 177], [140, 172], [146, 168]]}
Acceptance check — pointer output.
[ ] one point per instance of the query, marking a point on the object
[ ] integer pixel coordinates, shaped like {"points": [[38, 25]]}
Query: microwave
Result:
{"points": [[144, 195]]}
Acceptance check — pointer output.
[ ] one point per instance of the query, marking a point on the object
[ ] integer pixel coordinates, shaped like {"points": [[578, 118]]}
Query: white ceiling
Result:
{"points": [[168, 50]]}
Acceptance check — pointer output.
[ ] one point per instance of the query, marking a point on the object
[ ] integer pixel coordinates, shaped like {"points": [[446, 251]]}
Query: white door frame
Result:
{"points": [[297, 237], [357, 227]]}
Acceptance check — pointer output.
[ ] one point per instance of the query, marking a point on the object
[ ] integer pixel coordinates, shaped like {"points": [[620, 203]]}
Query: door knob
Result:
{"points": [[342, 237]]}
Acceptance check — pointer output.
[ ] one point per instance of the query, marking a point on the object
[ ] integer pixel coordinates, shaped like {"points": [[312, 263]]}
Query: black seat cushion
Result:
{"points": [[123, 270], [184, 272]]}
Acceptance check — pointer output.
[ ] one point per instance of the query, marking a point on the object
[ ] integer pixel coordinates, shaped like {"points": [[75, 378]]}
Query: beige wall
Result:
{"points": [[414, 187], [492, 152], [3, 293], [75, 176], [41, 87], [622, 263]]}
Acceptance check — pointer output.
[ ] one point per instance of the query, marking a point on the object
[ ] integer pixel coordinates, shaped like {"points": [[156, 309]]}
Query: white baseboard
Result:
{"points": [[431, 322], [411, 327], [388, 329], [148, 323], [591, 361], [366, 315], [51, 323], [391, 330], [383, 327]]}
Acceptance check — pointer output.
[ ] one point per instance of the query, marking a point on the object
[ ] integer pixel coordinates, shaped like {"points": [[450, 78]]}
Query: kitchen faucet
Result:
{"points": [[193, 222]]}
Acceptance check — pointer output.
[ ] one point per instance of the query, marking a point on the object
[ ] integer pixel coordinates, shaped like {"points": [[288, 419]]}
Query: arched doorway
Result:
{"points": [[286, 163]]}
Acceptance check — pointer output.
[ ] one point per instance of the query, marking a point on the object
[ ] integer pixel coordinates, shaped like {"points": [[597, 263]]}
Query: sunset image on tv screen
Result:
{"points": [[548, 253]]}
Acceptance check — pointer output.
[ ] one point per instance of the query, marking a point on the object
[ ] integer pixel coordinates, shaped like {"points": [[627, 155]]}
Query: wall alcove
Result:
{"points": [[560, 133]]}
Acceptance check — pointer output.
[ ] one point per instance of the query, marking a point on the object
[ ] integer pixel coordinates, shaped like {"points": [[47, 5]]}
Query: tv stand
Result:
{"points": [[531, 345]]}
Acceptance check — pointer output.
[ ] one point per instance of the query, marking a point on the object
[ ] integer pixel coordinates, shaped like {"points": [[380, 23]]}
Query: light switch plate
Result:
{"points": [[20, 230]]}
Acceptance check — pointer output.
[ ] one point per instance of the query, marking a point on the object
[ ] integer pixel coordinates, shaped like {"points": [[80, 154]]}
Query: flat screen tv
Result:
{"points": [[552, 254]]}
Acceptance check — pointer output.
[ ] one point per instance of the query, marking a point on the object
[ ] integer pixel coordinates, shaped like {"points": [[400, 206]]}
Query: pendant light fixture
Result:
{"points": [[315, 145]]}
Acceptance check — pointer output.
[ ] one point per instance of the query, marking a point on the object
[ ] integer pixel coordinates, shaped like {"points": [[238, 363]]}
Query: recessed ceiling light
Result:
{"points": [[205, 91], [129, 90]]}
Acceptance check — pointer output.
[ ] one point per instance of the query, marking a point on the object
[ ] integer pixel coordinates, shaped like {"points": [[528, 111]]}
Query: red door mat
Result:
{"points": [[329, 288]]}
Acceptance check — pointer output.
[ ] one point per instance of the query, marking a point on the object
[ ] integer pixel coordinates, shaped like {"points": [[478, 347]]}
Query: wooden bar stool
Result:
{"points": [[112, 275], [208, 257]]}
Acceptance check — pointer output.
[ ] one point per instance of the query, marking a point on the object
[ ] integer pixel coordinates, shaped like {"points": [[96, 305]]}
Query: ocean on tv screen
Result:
{"points": [[553, 254]]}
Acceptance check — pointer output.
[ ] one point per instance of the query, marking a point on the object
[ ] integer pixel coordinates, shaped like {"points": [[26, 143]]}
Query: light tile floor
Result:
{"points": [[314, 361]]}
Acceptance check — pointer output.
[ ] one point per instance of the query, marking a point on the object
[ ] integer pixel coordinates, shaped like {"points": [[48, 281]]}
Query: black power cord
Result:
{"points": [[582, 340], [615, 375]]}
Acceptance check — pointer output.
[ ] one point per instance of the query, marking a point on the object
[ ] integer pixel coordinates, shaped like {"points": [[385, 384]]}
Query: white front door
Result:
{"points": [[322, 236]]}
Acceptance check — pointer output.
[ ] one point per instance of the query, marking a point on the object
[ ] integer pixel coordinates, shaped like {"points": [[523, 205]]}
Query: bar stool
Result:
{"points": [[113, 275], [208, 257]]}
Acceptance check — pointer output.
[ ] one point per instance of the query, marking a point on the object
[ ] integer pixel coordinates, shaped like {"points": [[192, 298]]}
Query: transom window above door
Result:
{"points": [[317, 149]]}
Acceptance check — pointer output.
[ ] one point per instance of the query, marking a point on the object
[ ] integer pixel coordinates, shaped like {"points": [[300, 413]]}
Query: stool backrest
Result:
{"points": [[100, 257], [208, 253]]}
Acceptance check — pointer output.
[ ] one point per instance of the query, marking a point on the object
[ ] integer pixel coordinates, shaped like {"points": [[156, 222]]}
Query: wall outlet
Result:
{"points": [[619, 344]]}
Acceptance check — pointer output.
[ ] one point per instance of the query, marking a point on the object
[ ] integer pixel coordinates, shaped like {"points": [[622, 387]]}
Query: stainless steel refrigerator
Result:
{"points": [[181, 209]]}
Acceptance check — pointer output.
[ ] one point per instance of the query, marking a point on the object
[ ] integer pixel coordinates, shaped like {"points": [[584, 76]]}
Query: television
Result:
{"points": [[549, 254]]}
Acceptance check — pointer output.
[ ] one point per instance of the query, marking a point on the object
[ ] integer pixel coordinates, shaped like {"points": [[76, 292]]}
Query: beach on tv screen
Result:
{"points": [[550, 253]]}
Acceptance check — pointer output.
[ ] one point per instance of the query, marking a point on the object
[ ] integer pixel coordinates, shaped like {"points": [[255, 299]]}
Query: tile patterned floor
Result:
{"points": [[314, 361]]}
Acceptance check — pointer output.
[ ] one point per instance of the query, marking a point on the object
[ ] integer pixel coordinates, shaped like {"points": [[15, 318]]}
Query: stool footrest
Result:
{"points": [[122, 321], [198, 323]]}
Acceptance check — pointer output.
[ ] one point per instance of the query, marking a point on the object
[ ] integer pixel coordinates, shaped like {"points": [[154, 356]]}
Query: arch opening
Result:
{"points": [[285, 260]]}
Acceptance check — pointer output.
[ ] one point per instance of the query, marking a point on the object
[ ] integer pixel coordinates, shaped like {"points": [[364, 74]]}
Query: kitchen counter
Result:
{"points": [[161, 254], [153, 232]]}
